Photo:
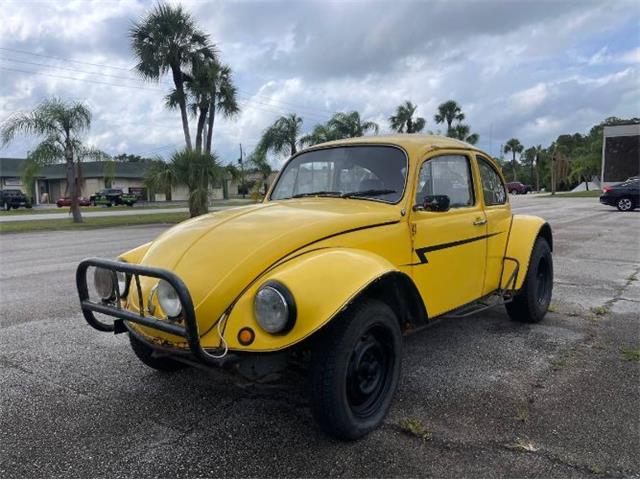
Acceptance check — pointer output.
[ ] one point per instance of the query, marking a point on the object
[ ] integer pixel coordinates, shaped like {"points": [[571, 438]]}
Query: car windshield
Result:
{"points": [[364, 172]]}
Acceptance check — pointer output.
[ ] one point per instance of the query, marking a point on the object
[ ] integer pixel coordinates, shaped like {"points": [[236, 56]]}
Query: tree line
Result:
{"points": [[569, 160]]}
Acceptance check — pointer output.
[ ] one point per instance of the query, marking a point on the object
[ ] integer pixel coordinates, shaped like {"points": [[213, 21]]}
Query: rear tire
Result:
{"points": [[145, 355], [355, 369], [514, 192], [531, 303], [624, 204]]}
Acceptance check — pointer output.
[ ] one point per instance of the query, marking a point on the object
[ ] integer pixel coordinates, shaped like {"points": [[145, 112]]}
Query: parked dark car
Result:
{"points": [[624, 196], [14, 199], [66, 202], [112, 196], [517, 188]]}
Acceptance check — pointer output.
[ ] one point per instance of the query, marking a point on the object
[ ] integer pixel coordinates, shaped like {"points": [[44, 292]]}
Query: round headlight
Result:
{"points": [[274, 308], [168, 299], [103, 281]]}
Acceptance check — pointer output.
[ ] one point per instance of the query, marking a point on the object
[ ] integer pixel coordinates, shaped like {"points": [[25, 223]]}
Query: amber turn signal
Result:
{"points": [[246, 336]]}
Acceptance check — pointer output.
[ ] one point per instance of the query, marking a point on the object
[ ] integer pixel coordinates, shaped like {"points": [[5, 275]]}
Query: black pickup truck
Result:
{"points": [[13, 198], [112, 196]]}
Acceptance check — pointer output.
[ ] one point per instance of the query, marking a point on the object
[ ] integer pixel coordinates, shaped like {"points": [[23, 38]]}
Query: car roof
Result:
{"points": [[413, 143]]}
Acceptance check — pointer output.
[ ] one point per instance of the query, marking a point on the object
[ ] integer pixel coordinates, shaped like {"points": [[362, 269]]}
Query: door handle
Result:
{"points": [[480, 221]]}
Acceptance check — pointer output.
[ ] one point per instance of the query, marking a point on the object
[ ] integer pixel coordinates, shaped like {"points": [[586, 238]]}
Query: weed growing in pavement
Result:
{"points": [[630, 354], [522, 414], [416, 428], [523, 445], [600, 310], [559, 363], [632, 278], [553, 308]]}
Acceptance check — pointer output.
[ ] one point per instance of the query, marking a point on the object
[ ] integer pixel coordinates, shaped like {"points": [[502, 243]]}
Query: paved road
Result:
{"points": [[75, 403]]}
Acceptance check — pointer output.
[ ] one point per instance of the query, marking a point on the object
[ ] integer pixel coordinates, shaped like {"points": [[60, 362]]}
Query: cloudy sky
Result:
{"points": [[531, 70]]}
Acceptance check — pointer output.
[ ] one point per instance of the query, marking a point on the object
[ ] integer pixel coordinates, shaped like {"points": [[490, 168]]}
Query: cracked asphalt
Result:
{"points": [[500, 399]]}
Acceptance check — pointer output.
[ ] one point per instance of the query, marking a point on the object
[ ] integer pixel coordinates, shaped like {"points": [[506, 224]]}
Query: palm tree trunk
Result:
{"points": [[537, 173], [179, 83], [202, 117], [513, 166], [212, 114], [293, 148], [71, 183]]}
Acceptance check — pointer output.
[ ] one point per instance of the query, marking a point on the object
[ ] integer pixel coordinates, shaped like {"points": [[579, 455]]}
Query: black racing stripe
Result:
{"points": [[421, 252], [278, 262]]}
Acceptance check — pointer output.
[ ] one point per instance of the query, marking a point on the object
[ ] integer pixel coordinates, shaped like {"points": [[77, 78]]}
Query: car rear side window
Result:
{"points": [[492, 187], [448, 175]]}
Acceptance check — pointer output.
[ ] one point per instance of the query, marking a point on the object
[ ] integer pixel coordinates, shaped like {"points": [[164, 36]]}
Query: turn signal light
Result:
{"points": [[246, 336]]}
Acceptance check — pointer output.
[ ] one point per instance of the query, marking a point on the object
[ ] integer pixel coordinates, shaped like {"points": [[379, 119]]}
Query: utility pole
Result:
{"points": [[553, 168], [242, 184]]}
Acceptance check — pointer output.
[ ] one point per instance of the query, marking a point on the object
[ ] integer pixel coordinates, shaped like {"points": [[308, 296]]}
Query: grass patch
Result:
{"points": [[588, 194], [630, 354], [37, 211], [523, 445], [560, 363], [553, 308], [415, 428], [600, 310], [522, 414], [92, 222]]}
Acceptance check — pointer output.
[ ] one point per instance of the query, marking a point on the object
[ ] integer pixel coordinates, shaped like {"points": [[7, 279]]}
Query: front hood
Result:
{"points": [[219, 254]]}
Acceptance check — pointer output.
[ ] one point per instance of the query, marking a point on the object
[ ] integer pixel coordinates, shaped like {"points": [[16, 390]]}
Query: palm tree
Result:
{"points": [[349, 125], [514, 146], [186, 167], [167, 39], [61, 125], [209, 89], [259, 161], [461, 132], [320, 134], [448, 112], [282, 136], [223, 100], [403, 120]]}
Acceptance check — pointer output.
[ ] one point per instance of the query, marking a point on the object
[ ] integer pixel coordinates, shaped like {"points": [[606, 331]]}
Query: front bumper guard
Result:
{"points": [[190, 329]]}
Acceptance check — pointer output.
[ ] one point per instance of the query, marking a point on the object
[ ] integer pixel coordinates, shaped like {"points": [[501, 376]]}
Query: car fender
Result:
{"points": [[135, 255], [322, 282], [524, 231]]}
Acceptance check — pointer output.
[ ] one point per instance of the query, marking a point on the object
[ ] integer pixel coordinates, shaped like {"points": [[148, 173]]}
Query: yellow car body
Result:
{"points": [[417, 257], [328, 251]]}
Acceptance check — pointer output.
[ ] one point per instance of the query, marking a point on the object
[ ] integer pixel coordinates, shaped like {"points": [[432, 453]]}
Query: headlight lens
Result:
{"points": [[274, 308], [103, 281], [122, 283], [168, 299]]}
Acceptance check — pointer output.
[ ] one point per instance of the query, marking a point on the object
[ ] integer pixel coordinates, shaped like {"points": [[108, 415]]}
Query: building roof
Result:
{"points": [[12, 167]]}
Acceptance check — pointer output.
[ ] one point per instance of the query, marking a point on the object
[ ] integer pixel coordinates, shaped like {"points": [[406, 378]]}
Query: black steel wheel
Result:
{"points": [[355, 370], [532, 301]]}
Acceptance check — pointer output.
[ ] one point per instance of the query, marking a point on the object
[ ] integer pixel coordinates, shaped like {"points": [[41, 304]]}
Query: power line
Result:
{"points": [[322, 111]]}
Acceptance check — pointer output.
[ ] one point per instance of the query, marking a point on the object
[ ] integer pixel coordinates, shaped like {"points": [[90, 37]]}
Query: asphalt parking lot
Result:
{"points": [[499, 399]]}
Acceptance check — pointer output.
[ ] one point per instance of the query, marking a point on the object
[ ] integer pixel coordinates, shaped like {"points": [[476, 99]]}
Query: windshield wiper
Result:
{"points": [[367, 193], [320, 193]]}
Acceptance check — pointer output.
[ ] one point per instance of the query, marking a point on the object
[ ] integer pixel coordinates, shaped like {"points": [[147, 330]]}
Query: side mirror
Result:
{"points": [[436, 203]]}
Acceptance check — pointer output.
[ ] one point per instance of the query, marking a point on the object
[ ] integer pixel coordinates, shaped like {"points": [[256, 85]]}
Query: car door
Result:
{"points": [[449, 247], [498, 214]]}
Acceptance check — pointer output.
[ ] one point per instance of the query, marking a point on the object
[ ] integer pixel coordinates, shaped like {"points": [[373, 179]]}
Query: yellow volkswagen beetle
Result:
{"points": [[356, 242]]}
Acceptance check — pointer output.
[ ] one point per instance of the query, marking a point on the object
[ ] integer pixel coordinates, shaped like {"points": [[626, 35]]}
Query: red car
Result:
{"points": [[517, 188], [66, 202]]}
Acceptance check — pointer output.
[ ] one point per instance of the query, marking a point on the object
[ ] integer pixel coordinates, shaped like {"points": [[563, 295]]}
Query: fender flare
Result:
{"points": [[323, 283], [524, 231]]}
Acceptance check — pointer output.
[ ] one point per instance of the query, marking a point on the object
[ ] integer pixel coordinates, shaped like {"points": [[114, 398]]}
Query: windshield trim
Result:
{"points": [[348, 145]]}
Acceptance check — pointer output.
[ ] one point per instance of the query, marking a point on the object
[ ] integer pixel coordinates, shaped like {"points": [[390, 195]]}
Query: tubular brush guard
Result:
{"points": [[189, 332]]}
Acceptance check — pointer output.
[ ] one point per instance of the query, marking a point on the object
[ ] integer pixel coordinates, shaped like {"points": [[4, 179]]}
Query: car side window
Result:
{"points": [[492, 187], [448, 175]]}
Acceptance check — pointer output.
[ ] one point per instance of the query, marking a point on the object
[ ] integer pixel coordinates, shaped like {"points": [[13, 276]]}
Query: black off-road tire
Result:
{"points": [[144, 353], [355, 368], [531, 303], [625, 204]]}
